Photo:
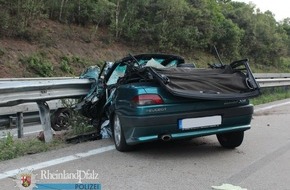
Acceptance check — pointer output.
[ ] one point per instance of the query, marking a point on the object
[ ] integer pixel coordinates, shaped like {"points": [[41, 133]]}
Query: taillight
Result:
{"points": [[147, 99]]}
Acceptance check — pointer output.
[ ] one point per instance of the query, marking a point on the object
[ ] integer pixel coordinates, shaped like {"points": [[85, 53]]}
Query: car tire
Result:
{"points": [[231, 140], [60, 119], [118, 135]]}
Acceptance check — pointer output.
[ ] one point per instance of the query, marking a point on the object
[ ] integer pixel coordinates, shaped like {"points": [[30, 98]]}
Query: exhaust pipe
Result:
{"points": [[166, 137]]}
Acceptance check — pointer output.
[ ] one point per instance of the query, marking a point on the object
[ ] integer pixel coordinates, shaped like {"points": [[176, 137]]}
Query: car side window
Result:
{"points": [[116, 74]]}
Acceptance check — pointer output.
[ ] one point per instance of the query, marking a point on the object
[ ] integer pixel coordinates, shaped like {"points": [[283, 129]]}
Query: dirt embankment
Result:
{"points": [[54, 41]]}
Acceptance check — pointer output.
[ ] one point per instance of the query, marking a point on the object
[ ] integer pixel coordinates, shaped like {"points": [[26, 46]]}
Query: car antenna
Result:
{"points": [[218, 56], [134, 58]]}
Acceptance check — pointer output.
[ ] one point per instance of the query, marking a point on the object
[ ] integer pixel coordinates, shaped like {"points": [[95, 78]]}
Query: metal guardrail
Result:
{"points": [[22, 91], [272, 79], [271, 75], [35, 78], [9, 121], [40, 90], [264, 83], [30, 113], [14, 91]]}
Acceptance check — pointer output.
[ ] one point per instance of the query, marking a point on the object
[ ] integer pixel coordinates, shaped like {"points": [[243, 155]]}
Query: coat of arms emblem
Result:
{"points": [[25, 180]]}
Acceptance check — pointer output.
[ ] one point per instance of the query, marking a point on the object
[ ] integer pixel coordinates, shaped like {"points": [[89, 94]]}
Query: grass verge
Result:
{"points": [[271, 94], [11, 147]]}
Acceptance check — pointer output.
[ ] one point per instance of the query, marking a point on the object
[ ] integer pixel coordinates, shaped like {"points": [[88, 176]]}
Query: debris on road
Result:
{"points": [[228, 187]]}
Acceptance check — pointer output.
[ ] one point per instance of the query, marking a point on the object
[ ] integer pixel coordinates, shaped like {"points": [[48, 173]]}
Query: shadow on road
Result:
{"points": [[197, 147]]}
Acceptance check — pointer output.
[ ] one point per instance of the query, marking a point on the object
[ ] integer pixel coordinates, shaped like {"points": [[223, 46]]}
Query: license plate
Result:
{"points": [[200, 122]]}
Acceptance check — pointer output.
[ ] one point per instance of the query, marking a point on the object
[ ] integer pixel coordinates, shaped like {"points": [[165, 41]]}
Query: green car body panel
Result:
{"points": [[149, 122]]}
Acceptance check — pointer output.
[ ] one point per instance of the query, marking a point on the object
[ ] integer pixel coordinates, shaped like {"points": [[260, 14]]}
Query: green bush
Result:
{"points": [[76, 60], [39, 64], [73, 64], [65, 65], [13, 148], [8, 150], [285, 64], [78, 123]]}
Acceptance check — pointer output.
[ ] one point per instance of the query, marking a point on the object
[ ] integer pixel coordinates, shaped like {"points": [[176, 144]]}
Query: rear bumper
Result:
{"points": [[138, 129]]}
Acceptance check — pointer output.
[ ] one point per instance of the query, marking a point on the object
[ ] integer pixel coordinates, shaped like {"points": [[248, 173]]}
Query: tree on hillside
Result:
{"points": [[81, 12], [263, 39], [242, 15], [17, 15], [237, 29], [269, 45], [286, 27], [226, 34], [125, 21]]}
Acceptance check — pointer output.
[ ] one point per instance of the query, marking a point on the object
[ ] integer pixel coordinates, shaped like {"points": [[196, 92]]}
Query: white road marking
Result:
{"points": [[61, 160], [273, 106]]}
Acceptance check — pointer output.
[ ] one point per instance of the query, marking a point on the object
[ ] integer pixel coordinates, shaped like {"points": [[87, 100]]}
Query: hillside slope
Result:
{"points": [[50, 48], [60, 46]]}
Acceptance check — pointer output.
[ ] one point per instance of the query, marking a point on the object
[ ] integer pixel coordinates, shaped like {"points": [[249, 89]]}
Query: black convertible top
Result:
{"points": [[230, 82], [219, 82]]}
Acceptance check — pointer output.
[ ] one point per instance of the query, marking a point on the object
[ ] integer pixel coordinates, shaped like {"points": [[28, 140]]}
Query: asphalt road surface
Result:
{"points": [[260, 163]]}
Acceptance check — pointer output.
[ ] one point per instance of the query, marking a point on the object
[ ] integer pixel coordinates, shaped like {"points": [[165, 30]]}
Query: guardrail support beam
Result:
{"points": [[44, 113], [19, 123], [11, 118]]}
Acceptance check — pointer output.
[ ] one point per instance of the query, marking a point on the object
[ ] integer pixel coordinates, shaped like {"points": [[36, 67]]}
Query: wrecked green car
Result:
{"points": [[151, 97]]}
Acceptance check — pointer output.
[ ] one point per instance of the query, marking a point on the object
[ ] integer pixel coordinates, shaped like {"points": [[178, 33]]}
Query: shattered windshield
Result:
{"points": [[146, 60], [117, 73]]}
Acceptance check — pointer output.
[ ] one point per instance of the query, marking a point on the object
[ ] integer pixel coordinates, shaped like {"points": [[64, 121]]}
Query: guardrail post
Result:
{"points": [[19, 123], [11, 121], [44, 113]]}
